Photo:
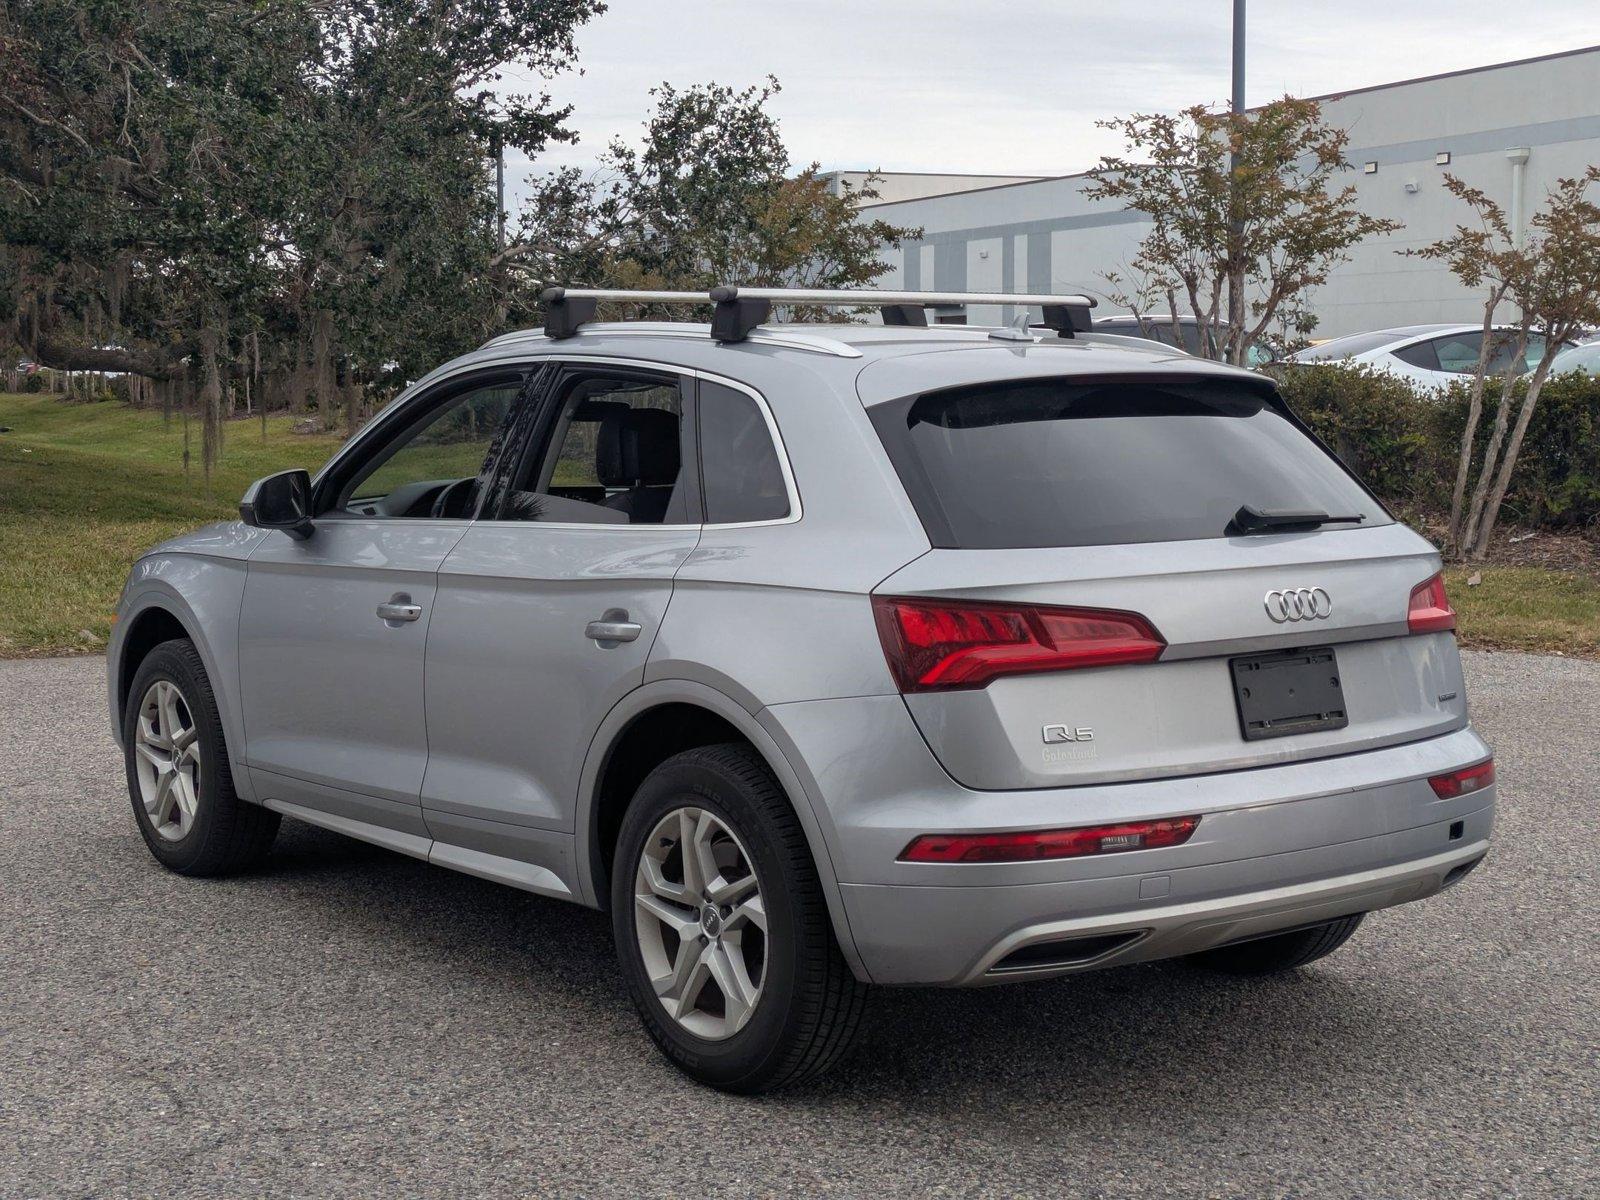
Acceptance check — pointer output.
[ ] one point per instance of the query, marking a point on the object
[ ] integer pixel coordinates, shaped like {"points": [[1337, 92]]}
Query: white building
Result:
{"points": [[1511, 129]]}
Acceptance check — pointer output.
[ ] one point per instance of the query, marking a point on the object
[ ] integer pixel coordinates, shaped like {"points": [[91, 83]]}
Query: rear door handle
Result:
{"points": [[399, 608], [613, 627]]}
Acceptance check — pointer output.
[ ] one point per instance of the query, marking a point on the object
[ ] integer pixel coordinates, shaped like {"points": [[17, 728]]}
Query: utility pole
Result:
{"points": [[500, 191], [1236, 219]]}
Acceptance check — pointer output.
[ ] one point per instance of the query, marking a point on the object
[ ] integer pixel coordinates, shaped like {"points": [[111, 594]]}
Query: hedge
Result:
{"points": [[1404, 443]]}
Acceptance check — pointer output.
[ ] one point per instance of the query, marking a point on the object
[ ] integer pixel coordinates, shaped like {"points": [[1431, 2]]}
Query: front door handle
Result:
{"points": [[613, 627], [399, 608]]}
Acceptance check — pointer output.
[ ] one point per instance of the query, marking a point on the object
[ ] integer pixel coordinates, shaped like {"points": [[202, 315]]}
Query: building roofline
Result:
{"points": [[1515, 62], [943, 174], [1376, 87]]}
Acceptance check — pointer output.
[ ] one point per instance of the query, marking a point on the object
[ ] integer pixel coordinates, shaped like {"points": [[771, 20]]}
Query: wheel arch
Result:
{"points": [[635, 724], [152, 614]]}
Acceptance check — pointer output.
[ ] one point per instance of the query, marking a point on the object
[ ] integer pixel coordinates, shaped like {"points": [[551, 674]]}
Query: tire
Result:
{"points": [[205, 828], [1281, 951], [809, 1007]]}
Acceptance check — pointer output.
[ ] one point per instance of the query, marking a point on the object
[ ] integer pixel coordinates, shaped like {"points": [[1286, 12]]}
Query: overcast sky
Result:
{"points": [[1015, 86]]}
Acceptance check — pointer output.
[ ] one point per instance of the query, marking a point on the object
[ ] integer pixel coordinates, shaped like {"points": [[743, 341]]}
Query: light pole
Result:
{"points": [[1235, 218]]}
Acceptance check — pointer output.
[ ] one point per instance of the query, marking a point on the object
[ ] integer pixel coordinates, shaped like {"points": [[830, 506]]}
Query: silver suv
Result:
{"points": [[824, 656]]}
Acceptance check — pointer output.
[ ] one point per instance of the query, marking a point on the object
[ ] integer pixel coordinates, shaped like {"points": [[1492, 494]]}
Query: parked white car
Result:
{"points": [[1585, 358], [1428, 356]]}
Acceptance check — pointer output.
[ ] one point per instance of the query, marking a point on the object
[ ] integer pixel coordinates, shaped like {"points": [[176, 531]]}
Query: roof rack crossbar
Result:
{"points": [[738, 311]]}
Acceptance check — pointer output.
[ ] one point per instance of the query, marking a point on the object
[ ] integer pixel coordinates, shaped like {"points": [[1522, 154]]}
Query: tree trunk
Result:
{"points": [[1458, 494], [1491, 453], [1509, 462], [210, 402]]}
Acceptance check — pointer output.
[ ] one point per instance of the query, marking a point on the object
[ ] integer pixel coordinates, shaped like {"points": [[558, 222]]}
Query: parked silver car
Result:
{"points": [[826, 656]]}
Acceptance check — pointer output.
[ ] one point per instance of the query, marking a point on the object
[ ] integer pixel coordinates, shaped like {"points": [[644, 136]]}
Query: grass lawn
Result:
{"points": [[84, 488], [1528, 608]]}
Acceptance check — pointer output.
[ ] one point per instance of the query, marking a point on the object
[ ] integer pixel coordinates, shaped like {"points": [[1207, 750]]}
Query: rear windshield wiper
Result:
{"points": [[1249, 520]]}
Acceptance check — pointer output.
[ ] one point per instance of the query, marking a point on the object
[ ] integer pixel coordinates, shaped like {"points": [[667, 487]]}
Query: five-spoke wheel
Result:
{"points": [[722, 926], [179, 777], [167, 743], [700, 923]]}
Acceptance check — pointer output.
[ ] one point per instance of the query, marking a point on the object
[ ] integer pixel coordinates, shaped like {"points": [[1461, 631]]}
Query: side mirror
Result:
{"points": [[281, 501]]}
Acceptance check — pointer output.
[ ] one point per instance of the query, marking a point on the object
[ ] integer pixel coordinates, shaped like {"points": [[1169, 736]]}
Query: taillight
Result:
{"points": [[938, 645], [1430, 611], [1036, 845], [1464, 781]]}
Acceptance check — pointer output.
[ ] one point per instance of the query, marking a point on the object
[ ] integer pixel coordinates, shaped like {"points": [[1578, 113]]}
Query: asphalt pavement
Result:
{"points": [[350, 1022]]}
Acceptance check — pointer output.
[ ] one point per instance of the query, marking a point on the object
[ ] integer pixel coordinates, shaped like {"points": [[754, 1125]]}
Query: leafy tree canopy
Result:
{"points": [[710, 196], [1240, 205]]}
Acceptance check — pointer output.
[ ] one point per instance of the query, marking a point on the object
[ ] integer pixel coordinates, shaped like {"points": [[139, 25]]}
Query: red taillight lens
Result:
{"points": [[1459, 783], [936, 645], [1430, 610], [1040, 844]]}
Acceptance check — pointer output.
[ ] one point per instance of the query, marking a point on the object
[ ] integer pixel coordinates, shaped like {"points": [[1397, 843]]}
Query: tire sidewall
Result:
{"points": [[755, 1048], [178, 663]]}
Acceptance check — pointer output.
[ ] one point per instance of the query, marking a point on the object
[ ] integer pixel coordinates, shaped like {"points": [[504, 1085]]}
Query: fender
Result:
{"points": [[684, 691], [155, 584]]}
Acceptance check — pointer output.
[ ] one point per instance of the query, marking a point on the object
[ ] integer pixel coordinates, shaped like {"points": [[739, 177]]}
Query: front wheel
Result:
{"points": [[722, 928], [1280, 951], [179, 778]]}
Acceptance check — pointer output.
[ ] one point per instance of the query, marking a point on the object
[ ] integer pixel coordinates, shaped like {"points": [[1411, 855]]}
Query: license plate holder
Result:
{"points": [[1285, 692]]}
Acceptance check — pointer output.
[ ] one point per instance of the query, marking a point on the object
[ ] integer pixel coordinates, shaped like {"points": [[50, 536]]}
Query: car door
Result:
{"points": [[546, 611], [333, 627]]}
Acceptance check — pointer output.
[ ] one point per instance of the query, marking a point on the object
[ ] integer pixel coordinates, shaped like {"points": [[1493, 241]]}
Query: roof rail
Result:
{"points": [[739, 310]]}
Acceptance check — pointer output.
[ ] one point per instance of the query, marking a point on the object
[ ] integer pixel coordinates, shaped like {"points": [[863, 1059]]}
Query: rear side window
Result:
{"points": [[1089, 463], [1424, 355], [741, 477]]}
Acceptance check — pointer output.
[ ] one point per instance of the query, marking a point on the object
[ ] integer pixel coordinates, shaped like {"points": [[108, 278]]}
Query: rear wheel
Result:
{"points": [[179, 778], [1281, 951], [722, 928]]}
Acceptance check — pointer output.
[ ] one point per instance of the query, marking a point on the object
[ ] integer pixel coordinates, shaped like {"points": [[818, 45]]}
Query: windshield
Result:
{"points": [[1084, 463]]}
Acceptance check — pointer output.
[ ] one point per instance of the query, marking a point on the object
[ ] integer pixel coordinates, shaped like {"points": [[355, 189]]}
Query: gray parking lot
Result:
{"points": [[352, 1022]]}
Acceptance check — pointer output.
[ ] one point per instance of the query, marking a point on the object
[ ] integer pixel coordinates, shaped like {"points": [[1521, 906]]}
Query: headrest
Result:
{"points": [[638, 446]]}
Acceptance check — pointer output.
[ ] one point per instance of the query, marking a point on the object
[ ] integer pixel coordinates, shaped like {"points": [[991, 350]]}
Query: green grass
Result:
{"points": [[85, 488], [1528, 608]]}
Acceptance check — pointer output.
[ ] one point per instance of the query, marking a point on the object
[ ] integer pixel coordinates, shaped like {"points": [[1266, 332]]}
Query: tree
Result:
{"points": [[1271, 227], [289, 194], [1483, 255], [709, 197], [1554, 280]]}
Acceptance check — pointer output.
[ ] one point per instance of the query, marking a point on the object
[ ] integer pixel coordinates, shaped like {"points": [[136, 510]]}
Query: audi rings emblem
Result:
{"points": [[1299, 604]]}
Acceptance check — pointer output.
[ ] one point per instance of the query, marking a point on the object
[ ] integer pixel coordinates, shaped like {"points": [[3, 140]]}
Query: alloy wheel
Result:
{"points": [[700, 922], [166, 745]]}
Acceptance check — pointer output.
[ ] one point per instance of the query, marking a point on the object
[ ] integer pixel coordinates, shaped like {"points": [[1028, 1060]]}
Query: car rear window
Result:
{"points": [[1087, 463]]}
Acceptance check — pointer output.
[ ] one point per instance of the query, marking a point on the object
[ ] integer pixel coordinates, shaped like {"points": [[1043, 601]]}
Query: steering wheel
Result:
{"points": [[454, 499]]}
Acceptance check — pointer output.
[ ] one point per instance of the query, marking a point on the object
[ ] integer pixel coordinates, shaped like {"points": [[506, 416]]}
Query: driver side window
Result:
{"points": [[434, 468]]}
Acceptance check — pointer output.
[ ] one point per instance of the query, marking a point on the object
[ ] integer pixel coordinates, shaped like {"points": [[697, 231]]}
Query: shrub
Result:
{"points": [[1404, 444], [1378, 425]]}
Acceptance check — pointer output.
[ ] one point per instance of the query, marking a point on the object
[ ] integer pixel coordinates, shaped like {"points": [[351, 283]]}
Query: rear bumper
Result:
{"points": [[963, 937], [1277, 847]]}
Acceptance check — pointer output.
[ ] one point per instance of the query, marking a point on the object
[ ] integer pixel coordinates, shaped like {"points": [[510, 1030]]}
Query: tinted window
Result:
{"points": [[451, 443], [740, 474], [1072, 463], [1421, 355], [1458, 353], [610, 454]]}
